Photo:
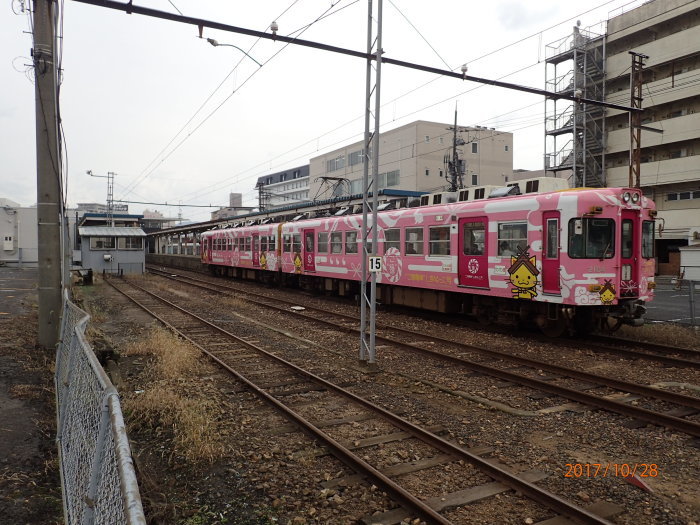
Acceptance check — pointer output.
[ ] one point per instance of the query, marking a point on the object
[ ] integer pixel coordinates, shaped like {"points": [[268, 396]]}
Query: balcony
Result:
{"points": [[675, 130], [659, 51], [655, 173], [685, 87]]}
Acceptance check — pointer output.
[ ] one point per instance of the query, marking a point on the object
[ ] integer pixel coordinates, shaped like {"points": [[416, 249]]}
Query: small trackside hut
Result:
{"points": [[115, 250]]}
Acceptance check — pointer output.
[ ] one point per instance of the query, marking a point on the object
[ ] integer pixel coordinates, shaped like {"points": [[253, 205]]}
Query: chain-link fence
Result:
{"points": [[97, 473]]}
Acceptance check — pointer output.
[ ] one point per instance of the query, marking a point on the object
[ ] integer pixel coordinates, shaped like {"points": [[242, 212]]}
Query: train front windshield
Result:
{"points": [[591, 238]]}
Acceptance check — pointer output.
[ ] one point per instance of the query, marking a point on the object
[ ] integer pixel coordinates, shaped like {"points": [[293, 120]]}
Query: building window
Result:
{"points": [[393, 178], [439, 240], [335, 164], [475, 179], [130, 243], [427, 139], [102, 243], [506, 147], [440, 173], [475, 147], [479, 193], [442, 140], [356, 157], [427, 173]]}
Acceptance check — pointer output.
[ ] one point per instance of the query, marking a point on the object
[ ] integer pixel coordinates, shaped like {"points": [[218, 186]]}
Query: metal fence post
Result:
{"points": [[96, 469], [691, 286]]}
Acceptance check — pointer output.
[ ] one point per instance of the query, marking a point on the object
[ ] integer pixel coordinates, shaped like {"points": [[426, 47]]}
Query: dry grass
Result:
{"points": [[663, 333], [234, 302], [27, 391], [174, 403], [190, 422], [173, 357]]}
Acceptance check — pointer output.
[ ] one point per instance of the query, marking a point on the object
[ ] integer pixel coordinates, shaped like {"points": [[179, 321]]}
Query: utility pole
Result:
{"points": [[48, 177], [456, 181], [635, 119], [367, 353], [110, 194]]}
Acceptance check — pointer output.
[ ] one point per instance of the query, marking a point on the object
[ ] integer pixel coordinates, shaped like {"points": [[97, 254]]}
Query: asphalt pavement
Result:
{"points": [[672, 302]]}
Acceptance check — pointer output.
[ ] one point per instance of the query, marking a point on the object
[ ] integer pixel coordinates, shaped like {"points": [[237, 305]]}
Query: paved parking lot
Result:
{"points": [[672, 302], [17, 290]]}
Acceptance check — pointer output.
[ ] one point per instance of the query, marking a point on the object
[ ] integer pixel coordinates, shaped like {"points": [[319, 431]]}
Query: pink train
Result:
{"points": [[570, 259]]}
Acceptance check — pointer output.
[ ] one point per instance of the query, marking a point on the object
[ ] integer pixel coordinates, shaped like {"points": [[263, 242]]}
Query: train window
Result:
{"points": [[323, 242], [439, 241], [337, 242], [591, 238], [392, 239], [627, 238], [264, 243], [648, 239], [256, 243], [350, 242], [309, 242], [296, 242], [512, 238], [247, 244], [230, 245], [474, 235], [287, 243], [552, 239], [414, 241]]}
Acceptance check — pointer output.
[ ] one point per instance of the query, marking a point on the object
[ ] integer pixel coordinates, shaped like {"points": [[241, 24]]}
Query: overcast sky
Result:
{"points": [[133, 85]]}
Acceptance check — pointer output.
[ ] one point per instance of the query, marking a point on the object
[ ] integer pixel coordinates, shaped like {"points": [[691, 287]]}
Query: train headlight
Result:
{"points": [[635, 198], [626, 196]]}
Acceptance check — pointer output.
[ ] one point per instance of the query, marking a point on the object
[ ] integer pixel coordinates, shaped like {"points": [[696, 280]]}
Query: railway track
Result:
{"points": [[282, 384], [500, 365], [668, 355]]}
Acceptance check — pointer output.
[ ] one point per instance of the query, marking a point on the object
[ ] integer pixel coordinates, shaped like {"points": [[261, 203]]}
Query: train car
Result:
{"points": [[569, 259], [241, 252]]}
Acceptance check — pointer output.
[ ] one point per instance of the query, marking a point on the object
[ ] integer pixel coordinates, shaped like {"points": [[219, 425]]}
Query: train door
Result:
{"points": [[630, 245], [551, 283], [472, 260], [309, 251], [256, 250]]}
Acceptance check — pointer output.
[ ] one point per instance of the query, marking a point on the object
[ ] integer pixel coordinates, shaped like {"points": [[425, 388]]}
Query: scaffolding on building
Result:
{"points": [[574, 132]]}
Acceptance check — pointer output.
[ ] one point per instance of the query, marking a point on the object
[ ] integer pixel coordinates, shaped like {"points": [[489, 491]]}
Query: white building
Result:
{"points": [[283, 188], [595, 143], [414, 157], [18, 233]]}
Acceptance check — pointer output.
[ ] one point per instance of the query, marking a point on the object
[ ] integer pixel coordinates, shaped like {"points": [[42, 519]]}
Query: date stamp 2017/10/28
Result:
{"points": [[603, 470]]}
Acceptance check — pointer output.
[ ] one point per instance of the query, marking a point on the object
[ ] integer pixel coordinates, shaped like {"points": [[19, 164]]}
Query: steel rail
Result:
{"points": [[550, 500], [671, 361], [600, 402]]}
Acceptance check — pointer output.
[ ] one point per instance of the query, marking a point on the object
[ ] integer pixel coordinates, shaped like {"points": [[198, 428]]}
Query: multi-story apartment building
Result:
{"points": [[668, 32], [284, 187], [415, 157], [596, 143]]}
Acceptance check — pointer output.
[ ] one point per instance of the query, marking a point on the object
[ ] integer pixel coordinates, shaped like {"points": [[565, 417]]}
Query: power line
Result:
{"points": [[289, 41]]}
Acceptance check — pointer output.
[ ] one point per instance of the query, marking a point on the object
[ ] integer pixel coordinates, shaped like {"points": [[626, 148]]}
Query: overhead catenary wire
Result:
{"points": [[205, 119]]}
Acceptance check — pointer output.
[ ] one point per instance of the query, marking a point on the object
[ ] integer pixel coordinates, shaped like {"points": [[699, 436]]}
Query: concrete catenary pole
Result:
{"points": [[48, 187]]}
